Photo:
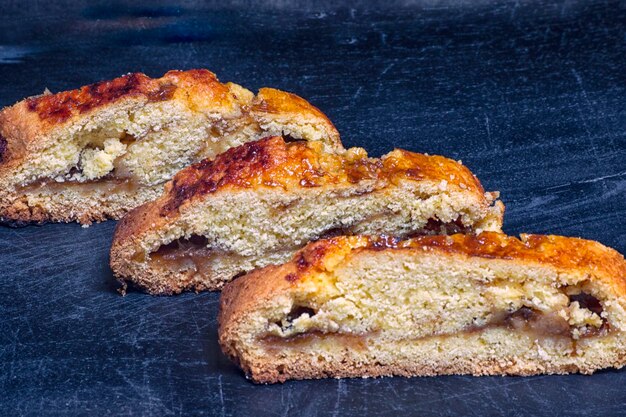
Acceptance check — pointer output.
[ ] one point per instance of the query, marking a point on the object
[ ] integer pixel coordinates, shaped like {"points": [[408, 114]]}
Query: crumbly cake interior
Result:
{"points": [[120, 157], [141, 143], [388, 313], [233, 233]]}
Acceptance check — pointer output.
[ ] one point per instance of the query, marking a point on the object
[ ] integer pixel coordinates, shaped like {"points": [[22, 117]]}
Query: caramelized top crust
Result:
{"points": [[564, 253], [272, 104], [272, 162], [588, 258], [26, 126], [57, 108], [273, 101]]}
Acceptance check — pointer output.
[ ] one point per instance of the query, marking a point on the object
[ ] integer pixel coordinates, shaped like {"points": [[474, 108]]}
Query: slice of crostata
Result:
{"points": [[94, 153], [431, 305], [257, 204]]}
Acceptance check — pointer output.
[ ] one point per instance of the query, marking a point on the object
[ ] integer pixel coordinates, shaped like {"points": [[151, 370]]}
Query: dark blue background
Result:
{"points": [[530, 95]]}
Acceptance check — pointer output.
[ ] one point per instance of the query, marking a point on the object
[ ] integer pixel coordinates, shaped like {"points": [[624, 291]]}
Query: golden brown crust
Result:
{"points": [[272, 162], [281, 103], [271, 100], [19, 129], [268, 373], [59, 107], [562, 253]]}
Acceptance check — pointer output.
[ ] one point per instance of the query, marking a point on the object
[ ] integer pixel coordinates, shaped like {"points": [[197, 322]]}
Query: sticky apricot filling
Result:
{"points": [[115, 180], [180, 248], [535, 323], [185, 254], [191, 253], [435, 227]]}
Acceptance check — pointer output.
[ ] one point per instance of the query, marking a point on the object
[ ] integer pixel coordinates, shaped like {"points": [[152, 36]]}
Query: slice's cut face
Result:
{"points": [[431, 305], [135, 132], [257, 204]]}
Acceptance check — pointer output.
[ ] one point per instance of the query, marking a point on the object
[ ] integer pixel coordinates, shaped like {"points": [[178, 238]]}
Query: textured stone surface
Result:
{"points": [[531, 96]]}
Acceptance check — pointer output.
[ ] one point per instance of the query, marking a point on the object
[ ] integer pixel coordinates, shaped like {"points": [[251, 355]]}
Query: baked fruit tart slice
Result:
{"points": [[96, 152], [430, 305], [259, 203]]}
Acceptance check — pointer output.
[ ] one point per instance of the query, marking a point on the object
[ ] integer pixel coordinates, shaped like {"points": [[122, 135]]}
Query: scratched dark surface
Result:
{"points": [[530, 95]]}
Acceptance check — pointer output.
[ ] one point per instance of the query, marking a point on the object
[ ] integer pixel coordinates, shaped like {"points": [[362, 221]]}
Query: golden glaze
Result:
{"points": [[563, 253], [272, 162], [57, 108], [278, 102]]}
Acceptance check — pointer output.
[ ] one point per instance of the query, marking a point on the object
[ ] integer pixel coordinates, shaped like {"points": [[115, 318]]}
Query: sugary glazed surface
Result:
{"points": [[57, 108], [273, 162]]}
